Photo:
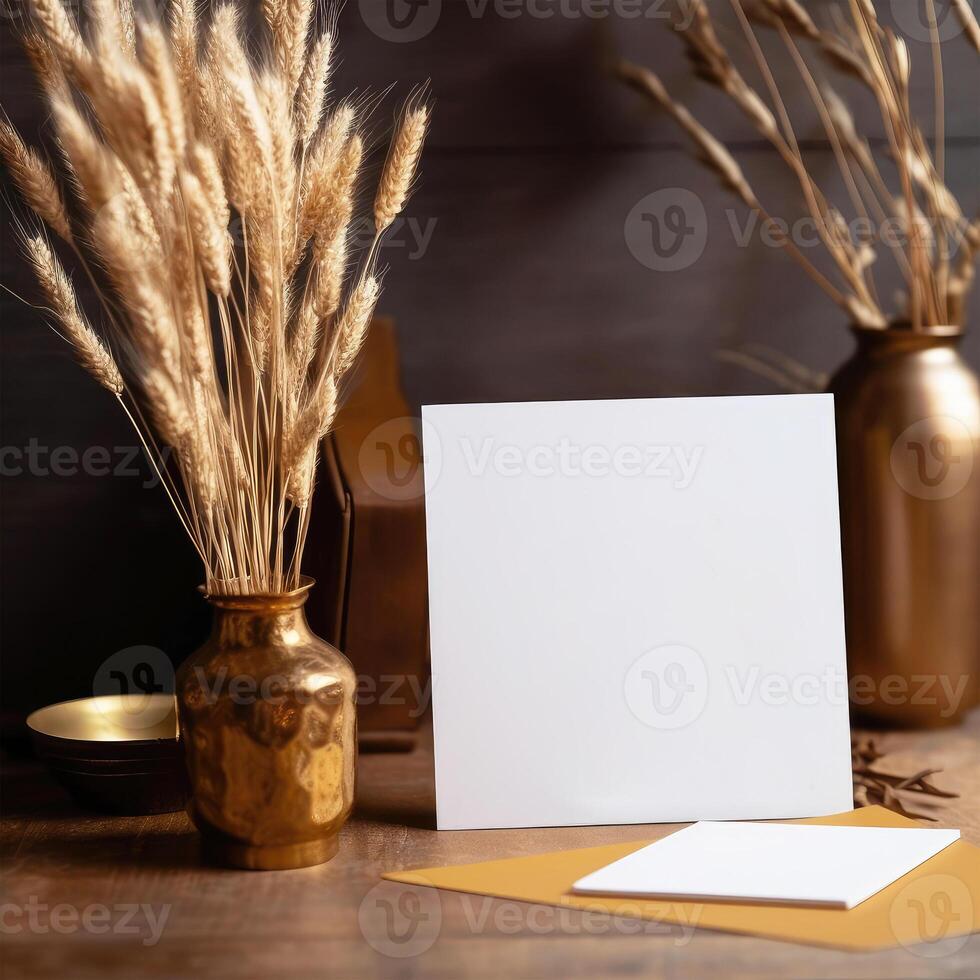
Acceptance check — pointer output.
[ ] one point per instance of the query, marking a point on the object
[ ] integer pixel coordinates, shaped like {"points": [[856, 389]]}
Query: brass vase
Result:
{"points": [[908, 430], [267, 720]]}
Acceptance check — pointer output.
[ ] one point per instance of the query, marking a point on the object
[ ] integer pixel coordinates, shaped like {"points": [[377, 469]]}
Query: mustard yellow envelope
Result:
{"points": [[936, 901]]}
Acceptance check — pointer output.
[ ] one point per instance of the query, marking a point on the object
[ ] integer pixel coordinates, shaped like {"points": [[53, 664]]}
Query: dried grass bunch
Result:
{"points": [[938, 246], [172, 134]]}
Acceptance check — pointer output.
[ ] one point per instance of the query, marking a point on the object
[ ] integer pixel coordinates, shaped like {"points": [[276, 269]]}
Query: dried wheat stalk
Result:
{"points": [[940, 247], [173, 133], [872, 786]]}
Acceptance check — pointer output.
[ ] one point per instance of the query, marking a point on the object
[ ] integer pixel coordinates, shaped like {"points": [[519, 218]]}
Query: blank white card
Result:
{"points": [[635, 611], [833, 867]]}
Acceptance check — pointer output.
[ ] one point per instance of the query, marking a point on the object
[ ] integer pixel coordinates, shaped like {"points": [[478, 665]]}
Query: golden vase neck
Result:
{"points": [[261, 619], [901, 338]]}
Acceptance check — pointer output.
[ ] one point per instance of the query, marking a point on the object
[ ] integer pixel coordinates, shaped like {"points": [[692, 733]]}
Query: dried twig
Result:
{"points": [[937, 276], [871, 786]]}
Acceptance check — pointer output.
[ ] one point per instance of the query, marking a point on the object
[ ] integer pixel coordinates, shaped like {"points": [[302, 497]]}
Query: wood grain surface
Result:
{"points": [[340, 921]]}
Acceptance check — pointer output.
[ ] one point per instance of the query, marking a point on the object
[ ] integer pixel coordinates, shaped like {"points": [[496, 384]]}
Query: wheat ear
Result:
{"points": [[34, 180], [159, 63], [300, 452], [61, 32], [43, 61], [211, 241], [786, 12], [312, 90], [717, 158], [396, 179], [354, 322], [92, 354], [969, 21]]}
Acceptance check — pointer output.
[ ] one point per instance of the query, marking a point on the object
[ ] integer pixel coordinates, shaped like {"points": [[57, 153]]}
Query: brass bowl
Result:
{"points": [[117, 753]]}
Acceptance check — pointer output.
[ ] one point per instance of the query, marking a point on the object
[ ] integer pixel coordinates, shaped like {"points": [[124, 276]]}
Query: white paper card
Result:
{"points": [[835, 867], [635, 611]]}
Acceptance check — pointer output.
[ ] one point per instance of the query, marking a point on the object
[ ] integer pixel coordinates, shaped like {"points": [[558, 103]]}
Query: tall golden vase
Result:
{"points": [[267, 719], [908, 431]]}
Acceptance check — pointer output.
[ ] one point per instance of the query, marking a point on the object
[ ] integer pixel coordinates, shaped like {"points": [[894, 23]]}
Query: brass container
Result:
{"points": [[117, 753], [267, 718], [908, 430]]}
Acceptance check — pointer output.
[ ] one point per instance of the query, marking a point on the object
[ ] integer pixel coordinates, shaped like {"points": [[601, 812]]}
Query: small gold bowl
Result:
{"points": [[118, 753]]}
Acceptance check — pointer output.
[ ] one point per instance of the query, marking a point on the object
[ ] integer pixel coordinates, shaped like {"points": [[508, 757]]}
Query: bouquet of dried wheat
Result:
{"points": [[228, 349], [937, 246]]}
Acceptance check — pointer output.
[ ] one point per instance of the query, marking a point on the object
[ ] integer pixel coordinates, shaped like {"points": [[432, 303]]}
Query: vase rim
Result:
{"points": [[292, 599], [904, 330]]}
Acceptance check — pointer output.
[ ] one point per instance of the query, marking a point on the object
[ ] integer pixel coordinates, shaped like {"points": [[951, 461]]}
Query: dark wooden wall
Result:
{"points": [[526, 289]]}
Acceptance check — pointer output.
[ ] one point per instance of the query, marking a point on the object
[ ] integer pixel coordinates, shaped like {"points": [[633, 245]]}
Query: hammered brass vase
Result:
{"points": [[267, 721], [908, 430]]}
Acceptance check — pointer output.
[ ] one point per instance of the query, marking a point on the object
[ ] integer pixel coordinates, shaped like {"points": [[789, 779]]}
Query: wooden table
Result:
{"points": [[90, 896]]}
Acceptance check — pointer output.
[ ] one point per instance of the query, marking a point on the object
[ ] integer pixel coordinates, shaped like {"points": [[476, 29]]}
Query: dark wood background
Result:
{"points": [[527, 288]]}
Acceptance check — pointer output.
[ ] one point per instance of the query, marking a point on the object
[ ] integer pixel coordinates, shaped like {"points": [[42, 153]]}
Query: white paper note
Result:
{"points": [[636, 611], [834, 867]]}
